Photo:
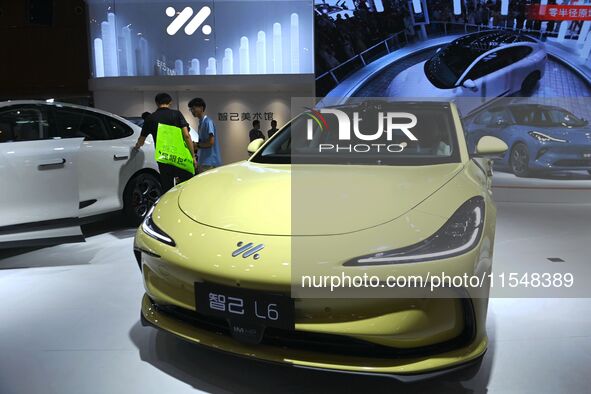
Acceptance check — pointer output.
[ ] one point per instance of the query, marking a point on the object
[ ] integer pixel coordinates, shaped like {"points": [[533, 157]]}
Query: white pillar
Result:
{"points": [[294, 38], [261, 49], [194, 69], [128, 50], [504, 7], [110, 46], [243, 56], [457, 7], [228, 62], [211, 68], [144, 56], [99, 65], [277, 46], [178, 67]]}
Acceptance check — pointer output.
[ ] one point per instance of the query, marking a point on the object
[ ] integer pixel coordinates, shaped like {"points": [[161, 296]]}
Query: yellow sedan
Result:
{"points": [[322, 249]]}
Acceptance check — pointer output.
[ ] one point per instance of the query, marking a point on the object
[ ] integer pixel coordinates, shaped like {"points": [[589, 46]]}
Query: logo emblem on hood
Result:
{"points": [[247, 250]]}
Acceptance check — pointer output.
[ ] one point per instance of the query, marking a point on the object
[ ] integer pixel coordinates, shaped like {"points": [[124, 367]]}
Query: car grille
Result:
{"points": [[330, 343]]}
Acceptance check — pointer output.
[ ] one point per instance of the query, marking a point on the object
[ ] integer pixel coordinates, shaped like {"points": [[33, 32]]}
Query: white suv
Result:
{"points": [[60, 163]]}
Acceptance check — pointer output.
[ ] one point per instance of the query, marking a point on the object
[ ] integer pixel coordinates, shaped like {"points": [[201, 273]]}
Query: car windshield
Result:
{"points": [[447, 66], [314, 138], [546, 117]]}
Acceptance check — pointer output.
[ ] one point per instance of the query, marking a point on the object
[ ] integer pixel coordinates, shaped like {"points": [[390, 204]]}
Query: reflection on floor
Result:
{"points": [[70, 324]]}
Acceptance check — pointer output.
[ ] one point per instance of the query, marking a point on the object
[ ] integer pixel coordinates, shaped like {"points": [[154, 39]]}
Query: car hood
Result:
{"points": [[308, 199], [413, 82]]}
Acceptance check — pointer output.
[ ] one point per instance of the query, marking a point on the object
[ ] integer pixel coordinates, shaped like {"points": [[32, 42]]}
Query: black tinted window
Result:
{"points": [[73, 123], [117, 129], [23, 124], [490, 63]]}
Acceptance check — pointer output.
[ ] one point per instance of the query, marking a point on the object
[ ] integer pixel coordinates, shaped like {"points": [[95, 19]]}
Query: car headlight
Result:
{"points": [[544, 138], [150, 228], [460, 234]]}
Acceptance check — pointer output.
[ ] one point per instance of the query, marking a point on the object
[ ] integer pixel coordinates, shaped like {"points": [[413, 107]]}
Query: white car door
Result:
{"points": [[38, 178], [106, 153]]}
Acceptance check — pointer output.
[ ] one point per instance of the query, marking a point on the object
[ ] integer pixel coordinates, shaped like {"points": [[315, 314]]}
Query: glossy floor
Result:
{"points": [[69, 323]]}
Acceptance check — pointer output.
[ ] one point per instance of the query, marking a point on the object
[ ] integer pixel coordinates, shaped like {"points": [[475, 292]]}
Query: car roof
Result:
{"points": [[523, 106], [490, 39], [60, 104], [390, 104]]}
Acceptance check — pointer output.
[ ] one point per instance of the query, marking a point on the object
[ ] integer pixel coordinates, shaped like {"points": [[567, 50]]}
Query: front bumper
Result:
{"points": [[404, 368], [558, 157]]}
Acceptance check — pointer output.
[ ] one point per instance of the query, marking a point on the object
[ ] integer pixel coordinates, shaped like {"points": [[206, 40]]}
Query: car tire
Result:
{"points": [[530, 82], [141, 192], [519, 160]]}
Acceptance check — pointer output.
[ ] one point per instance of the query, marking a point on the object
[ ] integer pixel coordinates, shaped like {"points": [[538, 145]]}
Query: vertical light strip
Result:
{"points": [[277, 46], [144, 56], [261, 49], [128, 52], [178, 67], [417, 7], [99, 65], [294, 38], [504, 7], [243, 55], [457, 7], [379, 5], [211, 68], [194, 69], [110, 46], [228, 62]]}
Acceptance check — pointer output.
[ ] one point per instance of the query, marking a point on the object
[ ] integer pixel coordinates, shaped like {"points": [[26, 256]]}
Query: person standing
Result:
{"points": [[208, 146], [169, 174], [255, 133], [273, 128]]}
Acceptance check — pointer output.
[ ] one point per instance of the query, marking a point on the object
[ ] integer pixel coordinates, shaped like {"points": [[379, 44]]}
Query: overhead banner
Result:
{"points": [[560, 12]]}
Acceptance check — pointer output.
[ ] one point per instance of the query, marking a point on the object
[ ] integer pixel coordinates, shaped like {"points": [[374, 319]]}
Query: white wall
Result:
{"points": [[238, 94]]}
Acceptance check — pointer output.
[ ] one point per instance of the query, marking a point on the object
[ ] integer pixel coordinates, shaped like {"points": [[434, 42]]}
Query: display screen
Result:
{"points": [[155, 38]]}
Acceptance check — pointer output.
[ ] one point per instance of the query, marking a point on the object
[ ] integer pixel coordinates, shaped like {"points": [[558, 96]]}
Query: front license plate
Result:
{"points": [[245, 306]]}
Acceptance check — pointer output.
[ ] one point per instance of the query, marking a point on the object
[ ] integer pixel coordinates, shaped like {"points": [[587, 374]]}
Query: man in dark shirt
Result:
{"points": [[273, 128], [171, 117], [255, 133]]}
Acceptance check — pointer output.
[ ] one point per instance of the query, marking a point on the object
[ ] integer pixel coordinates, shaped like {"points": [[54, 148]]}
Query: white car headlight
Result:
{"points": [[544, 138], [150, 228], [460, 234]]}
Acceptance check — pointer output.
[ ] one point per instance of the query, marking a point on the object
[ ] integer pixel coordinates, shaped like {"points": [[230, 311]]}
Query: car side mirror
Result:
{"points": [[490, 146], [255, 145], [470, 84]]}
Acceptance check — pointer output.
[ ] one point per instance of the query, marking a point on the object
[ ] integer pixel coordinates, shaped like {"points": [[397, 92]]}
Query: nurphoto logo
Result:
{"points": [[387, 123]]}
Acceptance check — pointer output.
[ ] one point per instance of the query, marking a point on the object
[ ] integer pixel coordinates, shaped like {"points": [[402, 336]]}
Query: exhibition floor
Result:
{"points": [[70, 324]]}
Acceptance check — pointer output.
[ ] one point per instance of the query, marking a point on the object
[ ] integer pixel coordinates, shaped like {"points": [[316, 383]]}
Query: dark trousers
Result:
{"points": [[168, 173]]}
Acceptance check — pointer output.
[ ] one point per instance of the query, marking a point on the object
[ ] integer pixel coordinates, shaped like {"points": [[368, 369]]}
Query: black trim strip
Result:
{"points": [[42, 242], [335, 344], [86, 203], [39, 226]]}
